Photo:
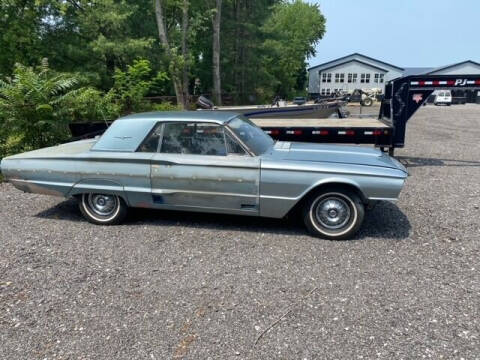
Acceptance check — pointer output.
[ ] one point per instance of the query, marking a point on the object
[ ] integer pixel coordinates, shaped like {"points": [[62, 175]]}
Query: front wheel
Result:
{"points": [[103, 209], [367, 101], [335, 214]]}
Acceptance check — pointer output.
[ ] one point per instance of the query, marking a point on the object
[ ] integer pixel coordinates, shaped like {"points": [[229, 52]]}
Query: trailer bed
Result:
{"points": [[366, 130], [349, 122]]}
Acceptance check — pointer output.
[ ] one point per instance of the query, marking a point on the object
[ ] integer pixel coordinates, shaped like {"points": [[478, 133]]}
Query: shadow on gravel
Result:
{"points": [[385, 221], [65, 210], [411, 162]]}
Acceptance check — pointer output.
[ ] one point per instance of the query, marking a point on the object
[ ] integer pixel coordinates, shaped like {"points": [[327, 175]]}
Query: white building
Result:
{"points": [[357, 71]]}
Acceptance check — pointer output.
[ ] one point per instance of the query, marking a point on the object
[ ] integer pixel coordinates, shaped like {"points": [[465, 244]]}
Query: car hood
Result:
{"points": [[326, 153]]}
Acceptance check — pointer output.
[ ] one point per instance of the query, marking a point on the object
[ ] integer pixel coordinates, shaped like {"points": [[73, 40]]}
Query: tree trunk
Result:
{"points": [[185, 68], [217, 88], [162, 34]]}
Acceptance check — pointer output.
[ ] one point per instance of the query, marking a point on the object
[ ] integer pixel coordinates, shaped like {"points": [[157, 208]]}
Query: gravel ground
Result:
{"points": [[180, 285]]}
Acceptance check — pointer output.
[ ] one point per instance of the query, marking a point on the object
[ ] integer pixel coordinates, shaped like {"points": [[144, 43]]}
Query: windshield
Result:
{"points": [[251, 135]]}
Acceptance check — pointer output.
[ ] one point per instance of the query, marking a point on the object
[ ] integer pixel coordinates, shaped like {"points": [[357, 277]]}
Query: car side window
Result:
{"points": [[193, 138], [233, 147], [150, 144]]}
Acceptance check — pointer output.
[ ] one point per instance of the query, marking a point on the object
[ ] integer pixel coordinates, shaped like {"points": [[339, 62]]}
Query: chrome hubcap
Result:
{"points": [[332, 213], [103, 205]]}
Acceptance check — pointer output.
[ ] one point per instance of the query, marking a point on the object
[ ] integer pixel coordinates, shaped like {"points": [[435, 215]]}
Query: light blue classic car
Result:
{"points": [[215, 162]]}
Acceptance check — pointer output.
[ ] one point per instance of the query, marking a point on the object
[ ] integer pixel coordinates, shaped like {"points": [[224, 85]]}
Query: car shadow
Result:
{"points": [[65, 210], [385, 221], [411, 162]]}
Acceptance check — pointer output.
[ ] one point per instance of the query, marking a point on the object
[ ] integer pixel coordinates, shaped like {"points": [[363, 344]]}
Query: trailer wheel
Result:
{"points": [[334, 214]]}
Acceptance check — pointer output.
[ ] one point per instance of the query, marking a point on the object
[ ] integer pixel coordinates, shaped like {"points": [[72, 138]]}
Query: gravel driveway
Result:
{"points": [[179, 285]]}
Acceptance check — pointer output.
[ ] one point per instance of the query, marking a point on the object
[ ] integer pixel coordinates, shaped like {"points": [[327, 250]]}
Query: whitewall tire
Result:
{"points": [[103, 209], [334, 214]]}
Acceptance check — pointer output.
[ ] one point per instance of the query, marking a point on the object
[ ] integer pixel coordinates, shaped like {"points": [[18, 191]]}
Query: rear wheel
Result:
{"points": [[334, 214], [103, 209]]}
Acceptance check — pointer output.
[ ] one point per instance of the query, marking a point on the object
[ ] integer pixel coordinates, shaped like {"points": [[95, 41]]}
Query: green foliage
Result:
{"points": [[99, 36], [242, 72], [21, 27], [33, 111], [264, 43], [37, 104], [292, 31], [108, 59], [130, 87], [165, 106], [12, 144], [90, 105]]}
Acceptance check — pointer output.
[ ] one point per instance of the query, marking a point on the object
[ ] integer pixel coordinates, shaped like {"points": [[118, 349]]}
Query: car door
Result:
{"points": [[201, 166]]}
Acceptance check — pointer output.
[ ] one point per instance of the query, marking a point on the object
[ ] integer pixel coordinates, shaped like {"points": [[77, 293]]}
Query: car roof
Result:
{"points": [[200, 115], [127, 133]]}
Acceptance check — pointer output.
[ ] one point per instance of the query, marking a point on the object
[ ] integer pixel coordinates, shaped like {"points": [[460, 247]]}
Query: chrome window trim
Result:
{"points": [[221, 125], [160, 138], [242, 144]]}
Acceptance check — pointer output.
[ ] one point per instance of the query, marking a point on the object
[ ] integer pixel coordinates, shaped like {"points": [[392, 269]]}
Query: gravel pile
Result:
{"points": [[171, 285]]}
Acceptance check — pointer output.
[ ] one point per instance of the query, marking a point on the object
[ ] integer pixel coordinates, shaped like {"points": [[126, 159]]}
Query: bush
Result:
{"points": [[131, 87], [37, 104], [165, 106], [90, 105], [33, 108]]}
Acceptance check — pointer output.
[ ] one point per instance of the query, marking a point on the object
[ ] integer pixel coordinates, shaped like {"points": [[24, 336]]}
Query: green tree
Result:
{"points": [[96, 37], [256, 49], [22, 23], [291, 34]]}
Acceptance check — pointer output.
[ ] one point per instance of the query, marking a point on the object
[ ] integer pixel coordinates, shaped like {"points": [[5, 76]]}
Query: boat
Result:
{"points": [[279, 109]]}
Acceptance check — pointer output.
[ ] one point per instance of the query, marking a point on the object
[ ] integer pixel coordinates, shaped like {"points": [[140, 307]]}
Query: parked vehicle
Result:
{"points": [[403, 97], [361, 97], [211, 161], [299, 100], [443, 97]]}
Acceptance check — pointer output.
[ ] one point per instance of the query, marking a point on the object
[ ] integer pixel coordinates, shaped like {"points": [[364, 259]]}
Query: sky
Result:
{"points": [[406, 33]]}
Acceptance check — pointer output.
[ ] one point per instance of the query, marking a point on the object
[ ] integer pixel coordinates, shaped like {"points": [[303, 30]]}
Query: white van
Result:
{"points": [[443, 97]]}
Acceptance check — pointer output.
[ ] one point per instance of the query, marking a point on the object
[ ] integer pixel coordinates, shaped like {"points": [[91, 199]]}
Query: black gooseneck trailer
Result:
{"points": [[403, 97]]}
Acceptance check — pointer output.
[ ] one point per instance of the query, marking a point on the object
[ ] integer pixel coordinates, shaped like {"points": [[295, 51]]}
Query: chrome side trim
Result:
{"points": [[382, 199], [39, 182], [175, 191], [137, 189], [97, 187], [279, 197], [266, 166]]}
